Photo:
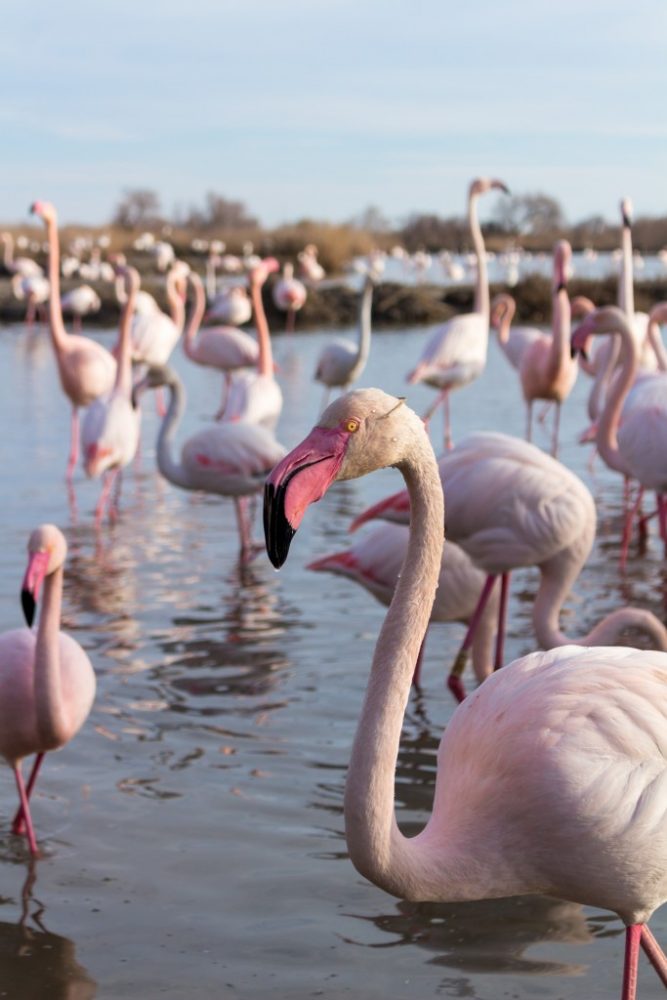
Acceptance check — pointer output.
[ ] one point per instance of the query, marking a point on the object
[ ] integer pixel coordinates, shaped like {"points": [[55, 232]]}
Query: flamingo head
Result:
{"points": [[483, 184], [44, 209], [503, 308], [47, 550], [260, 273], [361, 431], [608, 319], [626, 212], [581, 305], [156, 376], [98, 458], [562, 262]]}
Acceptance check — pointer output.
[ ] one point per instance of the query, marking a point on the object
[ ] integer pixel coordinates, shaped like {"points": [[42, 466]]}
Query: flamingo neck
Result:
{"points": [[194, 323], [606, 439], [482, 305], [8, 253], [123, 381], [59, 334], [560, 359], [176, 304], [50, 711], [168, 466], [364, 331], [376, 846], [265, 358], [626, 291]]}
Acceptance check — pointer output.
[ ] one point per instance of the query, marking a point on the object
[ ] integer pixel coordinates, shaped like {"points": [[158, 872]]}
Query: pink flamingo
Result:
{"points": [[546, 368], [375, 563], [456, 352], [86, 369], [309, 265], [289, 295], [110, 432], [552, 776], [256, 397], [34, 288], [25, 266], [155, 334], [509, 506], [222, 347], [81, 301], [632, 428], [342, 362], [47, 683], [231, 306]]}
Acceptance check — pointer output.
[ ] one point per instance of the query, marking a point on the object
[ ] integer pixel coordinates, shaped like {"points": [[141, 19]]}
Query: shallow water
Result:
{"points": [[192, 832]]}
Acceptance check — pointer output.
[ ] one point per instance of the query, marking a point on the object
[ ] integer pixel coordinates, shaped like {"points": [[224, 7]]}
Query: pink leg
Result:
{"points": [[107, 483], [416, 677], [18, 824], [159, 402], [633, 935], [502, 619], [248, 548], [290, 321], [627, 530], [654, 953], [74, 444], [25, 809], [454, 682], [448, 423], [225, 393], [554, 439], [529, 420]]}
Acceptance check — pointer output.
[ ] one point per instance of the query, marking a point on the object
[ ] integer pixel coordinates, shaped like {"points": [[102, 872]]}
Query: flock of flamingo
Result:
{"points": [[552, 774]]}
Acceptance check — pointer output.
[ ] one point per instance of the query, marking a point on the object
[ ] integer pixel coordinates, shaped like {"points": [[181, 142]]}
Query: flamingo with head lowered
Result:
{"points": [[47, 683], [455, 354], [552, 776], [86, 369]]}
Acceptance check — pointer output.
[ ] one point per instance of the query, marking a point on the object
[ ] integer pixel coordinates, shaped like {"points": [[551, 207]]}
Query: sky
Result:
{"points": [[321, 108]]}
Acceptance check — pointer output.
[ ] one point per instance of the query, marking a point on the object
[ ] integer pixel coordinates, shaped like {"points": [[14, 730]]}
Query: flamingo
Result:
{"points": [[632, 429], [456, 352], [546, 368], [341, 362], [508, 506], [110, 431], [222, 347], [86, 369], [24, 266], [228, 459], [81, 301], [155, 334], [231, 306], [289, 295], [310, 267], [145, 303], [35, 289], [47, 683], [256, 397], [375, 563], [552, 776]]}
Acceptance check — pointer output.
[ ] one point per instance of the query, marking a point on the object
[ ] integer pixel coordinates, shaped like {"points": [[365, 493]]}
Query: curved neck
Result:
{"points": [[56, 324], [176, 304], [195, 320], [626, 291], [50, 710], [364, 330], [556, 580], [658, 316], [170, 469], [376, 846], [482, 285], [606, 438], [265, 358]]}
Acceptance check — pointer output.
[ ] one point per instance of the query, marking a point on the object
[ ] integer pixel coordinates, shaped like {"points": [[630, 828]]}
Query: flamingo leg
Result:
{"points": [[654, 953], [448, 423], [107, 483], [25, 809], [502, 620], [633, 935], [290, 321], [160, 408], [18, 824], [454, 682], [627, 529], [556, 430], [529, 420], [248, 548], [74, 444], [225, 393]]}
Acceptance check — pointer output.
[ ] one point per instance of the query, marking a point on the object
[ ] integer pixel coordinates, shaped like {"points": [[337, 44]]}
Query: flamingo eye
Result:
{"points": [[352, 426]]}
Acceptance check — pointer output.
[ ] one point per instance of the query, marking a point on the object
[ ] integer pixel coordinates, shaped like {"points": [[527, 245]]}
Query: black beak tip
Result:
{"points": [[278, 532], [28, 605]]}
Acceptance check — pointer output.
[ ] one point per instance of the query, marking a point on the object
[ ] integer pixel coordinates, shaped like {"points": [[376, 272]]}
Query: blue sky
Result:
{"points": [[319, 108]]}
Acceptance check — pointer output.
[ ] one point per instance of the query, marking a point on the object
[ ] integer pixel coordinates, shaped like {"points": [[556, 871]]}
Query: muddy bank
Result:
{"points": [[394, 306]]}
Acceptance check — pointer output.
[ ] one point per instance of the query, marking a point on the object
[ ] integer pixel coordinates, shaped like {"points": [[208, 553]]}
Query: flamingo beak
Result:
{"points": [[579, 341], [301, 478], [32, 583]]}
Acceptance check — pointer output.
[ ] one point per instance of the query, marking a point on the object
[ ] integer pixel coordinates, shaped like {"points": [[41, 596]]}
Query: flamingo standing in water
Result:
{"points": [[289, 295], [546, 368], [86, 369], [375, 563], [632, 428], [341, 362], [81, 301], [47, 683], [34, 288], [221, 347], [25, 266], [552, 776], [110, 432], [256, 397], [509, 506], [456, 352]]}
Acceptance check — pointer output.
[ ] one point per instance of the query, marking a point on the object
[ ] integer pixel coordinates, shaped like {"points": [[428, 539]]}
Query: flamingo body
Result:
{"points": [[455, 354]]}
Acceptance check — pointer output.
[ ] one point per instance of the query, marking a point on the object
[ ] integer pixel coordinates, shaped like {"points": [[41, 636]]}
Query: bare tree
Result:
{"points": [[530, 214], [139, 207]]}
